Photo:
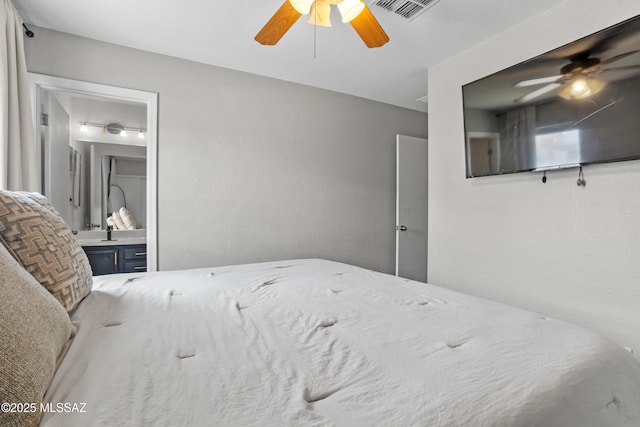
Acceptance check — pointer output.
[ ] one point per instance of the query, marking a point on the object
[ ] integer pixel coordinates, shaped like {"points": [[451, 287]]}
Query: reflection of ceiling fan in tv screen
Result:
{"points": [[590, 86], [578, 79]]}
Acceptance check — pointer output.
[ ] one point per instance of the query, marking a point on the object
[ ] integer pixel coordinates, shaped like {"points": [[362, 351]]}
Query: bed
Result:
{"points": [[315, 342]]}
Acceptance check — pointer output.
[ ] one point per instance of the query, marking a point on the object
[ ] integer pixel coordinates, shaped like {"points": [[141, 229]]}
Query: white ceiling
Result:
{"points": [[221, 33]]}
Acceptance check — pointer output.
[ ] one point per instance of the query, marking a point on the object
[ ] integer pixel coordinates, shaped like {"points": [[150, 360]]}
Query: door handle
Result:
{"points": [[401, 228]]}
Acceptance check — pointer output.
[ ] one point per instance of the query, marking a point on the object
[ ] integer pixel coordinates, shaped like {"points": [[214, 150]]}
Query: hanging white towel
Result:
{"points": [[111, 223], [127, 218], [118, 221]]}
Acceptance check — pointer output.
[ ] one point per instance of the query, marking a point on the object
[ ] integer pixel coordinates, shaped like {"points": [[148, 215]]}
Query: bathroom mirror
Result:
{"points": [[94, 159]]}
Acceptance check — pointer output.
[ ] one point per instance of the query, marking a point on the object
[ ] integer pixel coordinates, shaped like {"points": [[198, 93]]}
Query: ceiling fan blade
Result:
{"points": [[278, 25], [629, 67], [369, 30], [539, 81], [598, 67], [536, 93], [618, 57]]}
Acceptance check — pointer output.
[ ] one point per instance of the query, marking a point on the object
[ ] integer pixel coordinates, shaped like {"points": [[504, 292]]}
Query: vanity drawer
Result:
{"points": [[135, 266], [135, 258], [135, 252]]}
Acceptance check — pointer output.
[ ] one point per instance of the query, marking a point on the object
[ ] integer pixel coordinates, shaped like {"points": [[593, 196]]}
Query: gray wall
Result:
{"points": [[564, 251], [252, 168]]}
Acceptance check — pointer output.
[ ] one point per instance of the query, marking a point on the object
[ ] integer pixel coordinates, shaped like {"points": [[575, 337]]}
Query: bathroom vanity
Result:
{"points": [[119, 255], [117, 258]]}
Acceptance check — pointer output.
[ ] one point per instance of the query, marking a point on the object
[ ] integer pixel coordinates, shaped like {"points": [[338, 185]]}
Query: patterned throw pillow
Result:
{"points": [[38, 238]]}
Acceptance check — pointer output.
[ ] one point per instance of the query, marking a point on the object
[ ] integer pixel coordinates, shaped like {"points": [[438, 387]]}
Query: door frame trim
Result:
{"points": [[397, 255], [150, 99]]}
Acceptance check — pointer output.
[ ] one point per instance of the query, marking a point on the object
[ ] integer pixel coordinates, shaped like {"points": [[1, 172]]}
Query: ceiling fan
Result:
{"points": [[576, 79], [353, 11]]}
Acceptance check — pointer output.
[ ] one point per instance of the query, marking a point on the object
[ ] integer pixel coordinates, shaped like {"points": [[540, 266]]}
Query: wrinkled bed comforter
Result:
{"points": [[320, 343]]}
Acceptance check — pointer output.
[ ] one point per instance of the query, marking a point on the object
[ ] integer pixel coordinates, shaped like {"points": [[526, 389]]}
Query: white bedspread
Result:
{"points": [[312, 342]]}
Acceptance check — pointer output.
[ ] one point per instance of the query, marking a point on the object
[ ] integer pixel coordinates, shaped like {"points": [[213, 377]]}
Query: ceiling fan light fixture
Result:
{"points": [[579, 87], [350, 9], [355, 12], [320, 13], [582, 88], [302, 6]]}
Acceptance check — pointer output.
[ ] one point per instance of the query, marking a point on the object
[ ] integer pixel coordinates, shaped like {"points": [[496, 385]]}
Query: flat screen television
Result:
{"points": [[575, 105]]}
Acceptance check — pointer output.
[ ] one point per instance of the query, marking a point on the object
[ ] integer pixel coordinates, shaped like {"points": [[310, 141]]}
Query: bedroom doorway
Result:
{"points": [[411, 207], [72, 152]]}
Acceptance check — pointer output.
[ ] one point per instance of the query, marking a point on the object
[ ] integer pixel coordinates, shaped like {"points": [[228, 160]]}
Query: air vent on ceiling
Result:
{"points": [[408, 9]]}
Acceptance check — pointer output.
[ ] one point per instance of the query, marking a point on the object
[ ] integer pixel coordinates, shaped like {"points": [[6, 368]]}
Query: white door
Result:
{"points": [[57, 155], [411, 207]]}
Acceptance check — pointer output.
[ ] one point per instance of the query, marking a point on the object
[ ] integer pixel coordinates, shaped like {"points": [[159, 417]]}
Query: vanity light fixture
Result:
{"points": [[112, 128]]}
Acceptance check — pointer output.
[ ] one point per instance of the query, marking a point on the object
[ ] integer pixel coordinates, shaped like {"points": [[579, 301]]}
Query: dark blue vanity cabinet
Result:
{"points": [[117, 258]]}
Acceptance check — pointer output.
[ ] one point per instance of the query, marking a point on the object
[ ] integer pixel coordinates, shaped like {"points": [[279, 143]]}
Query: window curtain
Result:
{"points": [[18, 162], [521, 130]]}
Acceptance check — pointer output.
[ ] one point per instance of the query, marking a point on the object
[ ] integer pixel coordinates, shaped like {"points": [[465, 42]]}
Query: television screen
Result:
{"points": [[575, 105]]}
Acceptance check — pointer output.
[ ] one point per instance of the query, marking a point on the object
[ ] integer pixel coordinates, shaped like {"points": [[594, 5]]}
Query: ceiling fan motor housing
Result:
{"points": [[579, 64]]}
